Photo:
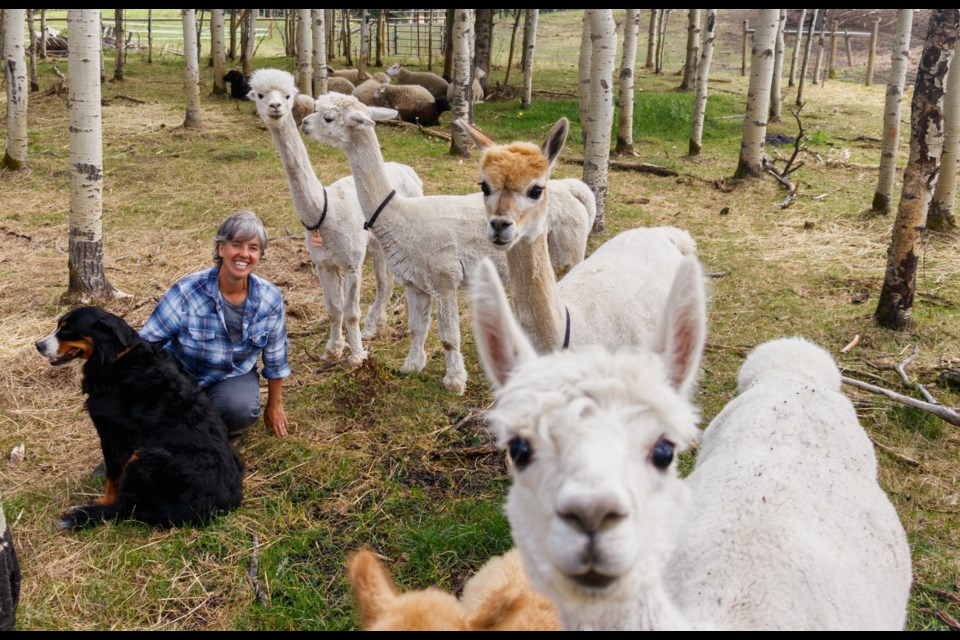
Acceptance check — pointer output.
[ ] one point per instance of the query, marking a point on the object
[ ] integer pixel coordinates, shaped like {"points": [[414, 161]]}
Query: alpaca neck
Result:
{"points": [[651, 610], [306, 189], [536, 301], [369, 173]]}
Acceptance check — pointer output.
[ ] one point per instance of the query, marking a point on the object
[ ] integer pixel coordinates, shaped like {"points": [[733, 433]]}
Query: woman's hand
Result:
{"points": [[273, 415]]}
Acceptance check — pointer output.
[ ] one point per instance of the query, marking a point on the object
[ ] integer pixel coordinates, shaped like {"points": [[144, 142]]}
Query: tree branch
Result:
{"points": [[944, 413]]}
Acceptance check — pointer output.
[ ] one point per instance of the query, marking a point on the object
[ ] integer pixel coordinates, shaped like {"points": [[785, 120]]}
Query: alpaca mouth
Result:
{"points": [[72, 354], [594, 580]]}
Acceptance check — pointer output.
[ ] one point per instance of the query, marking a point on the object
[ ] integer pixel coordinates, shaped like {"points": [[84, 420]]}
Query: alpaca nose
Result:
{"points": [[591, 512], [501, 229]]}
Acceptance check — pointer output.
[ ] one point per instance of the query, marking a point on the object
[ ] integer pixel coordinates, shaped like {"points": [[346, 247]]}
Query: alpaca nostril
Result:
{"points": [[499, 225], [591, 521]]}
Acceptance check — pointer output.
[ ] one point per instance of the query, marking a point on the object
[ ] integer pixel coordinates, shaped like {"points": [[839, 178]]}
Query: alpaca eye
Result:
{"points": [[662, 454], [535, 192], [484, 187], [260, 95], [520, 452], [327, 118]]}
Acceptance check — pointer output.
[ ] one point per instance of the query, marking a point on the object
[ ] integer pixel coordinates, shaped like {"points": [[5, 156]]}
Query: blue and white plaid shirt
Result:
{"points": [[188, 322]]}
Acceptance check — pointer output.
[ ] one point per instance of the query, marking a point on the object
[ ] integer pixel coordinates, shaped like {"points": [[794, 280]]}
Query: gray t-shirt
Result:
{"points": [[233, 315]]}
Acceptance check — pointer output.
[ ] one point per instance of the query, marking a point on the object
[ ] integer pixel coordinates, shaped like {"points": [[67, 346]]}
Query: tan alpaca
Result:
{"points": [[497, 598]]}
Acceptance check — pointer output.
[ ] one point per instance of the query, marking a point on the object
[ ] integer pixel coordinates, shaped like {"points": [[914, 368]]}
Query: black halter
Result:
{"points": [[369, 224], [566, 334], [323, 214]]}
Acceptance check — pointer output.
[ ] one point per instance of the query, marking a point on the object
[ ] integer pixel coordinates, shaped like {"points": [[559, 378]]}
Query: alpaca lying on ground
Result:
{"points": [[365, 90], [430, 242], [239, 89], [414, 103], [500, 599], [340, 85], [430, 81], [333, 217], [781, 525], [613, 297]]}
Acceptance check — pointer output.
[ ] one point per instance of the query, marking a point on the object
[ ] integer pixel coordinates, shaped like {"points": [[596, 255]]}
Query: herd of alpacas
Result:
{"points": [[782, 523]]}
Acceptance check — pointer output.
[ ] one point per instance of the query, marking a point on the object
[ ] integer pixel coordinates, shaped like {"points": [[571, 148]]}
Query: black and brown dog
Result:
{"points": [[164, 444]]}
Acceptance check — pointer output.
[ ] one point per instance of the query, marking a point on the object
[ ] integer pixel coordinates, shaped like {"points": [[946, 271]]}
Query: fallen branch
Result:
{"points": [[121, 96], [944, 413], [252, 573], [410, 125], [642, 167], [944, 617], [898, 456], [851, 344], [900, 368]]}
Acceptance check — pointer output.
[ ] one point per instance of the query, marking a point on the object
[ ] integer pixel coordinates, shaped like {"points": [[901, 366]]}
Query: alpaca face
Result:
{"points": [[273, 91], [336, 117]]}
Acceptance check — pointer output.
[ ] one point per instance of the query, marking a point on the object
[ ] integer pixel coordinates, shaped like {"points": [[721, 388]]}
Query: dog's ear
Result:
{"points": [[111, 335]]}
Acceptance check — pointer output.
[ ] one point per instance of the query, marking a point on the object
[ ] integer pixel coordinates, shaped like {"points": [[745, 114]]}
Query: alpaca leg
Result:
{"points": [[448, 326], [331, 281], [418, 315], [377, 314], [351, 303]]}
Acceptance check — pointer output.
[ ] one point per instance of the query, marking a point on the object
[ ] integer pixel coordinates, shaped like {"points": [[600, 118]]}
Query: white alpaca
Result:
{"points": [[332, 214], [430, 242], [613, 297], [782, 524]]}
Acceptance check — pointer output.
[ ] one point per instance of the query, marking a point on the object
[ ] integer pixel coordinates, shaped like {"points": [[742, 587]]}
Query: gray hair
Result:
{"points": [[240, 226]]}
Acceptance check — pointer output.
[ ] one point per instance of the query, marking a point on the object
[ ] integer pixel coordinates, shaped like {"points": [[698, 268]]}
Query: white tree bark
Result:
{"points": [[529, 44], [364, 58], [462, 32], [899, 60], [305, 51], [776, 94], [87, 280], [191, 82], [218, 49], [596, 150], [15, 75], [319, 51], [942, 208], [652, 32], [583, 85], [631, 31], [693, 50], [703, 73], [758, 95], [797, 41]]}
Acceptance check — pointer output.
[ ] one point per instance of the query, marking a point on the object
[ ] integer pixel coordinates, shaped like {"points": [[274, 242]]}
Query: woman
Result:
{"points": [[218, 322]]}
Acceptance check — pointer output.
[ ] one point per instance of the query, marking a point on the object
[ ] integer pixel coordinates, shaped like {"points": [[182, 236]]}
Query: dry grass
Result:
{"points": [[361, 465]]}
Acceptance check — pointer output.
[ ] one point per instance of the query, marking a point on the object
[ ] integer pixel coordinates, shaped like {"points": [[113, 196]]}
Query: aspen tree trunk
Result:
{"points": [[700, 102], [941, 216], [329, 24], [191, 82], [248, 41], [631, 31], [462, 32], [87, 280], [150, 37], [797, 41], [483, 28], [382, 35], [821, 46], [776, 95], [448, 44], [364, 57], [926, 145], [319, 51], [652, 34], [43, 34], [806, 58], [232, 51], [899, 59], [15, 75], [118, 45], [596, 150], [529, 43], [517, 13], [103, 58], [34, 80], [874, 32], [750, 164], [305, 52], [290, 32], [218, 50], [832, 58], [693, 50], [583, 79], [661, 39]]}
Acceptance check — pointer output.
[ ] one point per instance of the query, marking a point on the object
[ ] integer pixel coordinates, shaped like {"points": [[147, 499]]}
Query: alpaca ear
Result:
{"points": [[682, 327], [372, 586], [497, 608], [383, 113], [498, 338], [478, 138], [252, 95], [359, 120], [555, 140]]}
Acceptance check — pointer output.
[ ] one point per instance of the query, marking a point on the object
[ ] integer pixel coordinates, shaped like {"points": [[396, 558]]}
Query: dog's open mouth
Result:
{"points": [[71, 354]]}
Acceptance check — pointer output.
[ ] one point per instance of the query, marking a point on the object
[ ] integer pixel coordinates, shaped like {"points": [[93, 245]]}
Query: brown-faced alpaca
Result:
{"points": [[333, 215], [497, 598], [613, 297]]}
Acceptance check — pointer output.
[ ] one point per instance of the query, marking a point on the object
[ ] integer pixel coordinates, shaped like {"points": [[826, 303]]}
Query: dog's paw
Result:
{"points": [[74, 518]]}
